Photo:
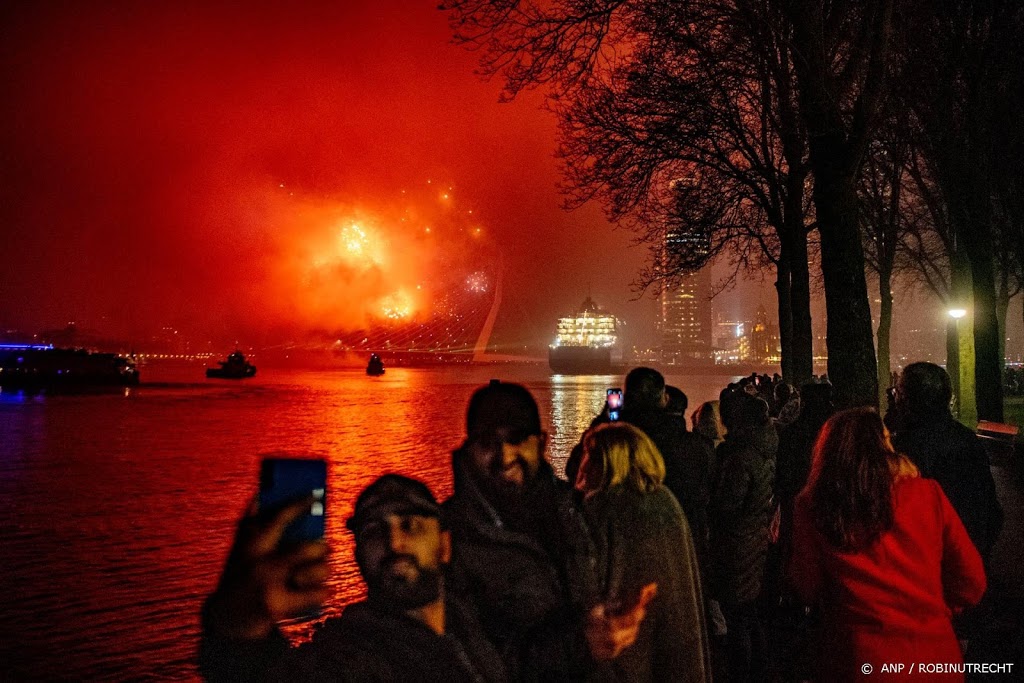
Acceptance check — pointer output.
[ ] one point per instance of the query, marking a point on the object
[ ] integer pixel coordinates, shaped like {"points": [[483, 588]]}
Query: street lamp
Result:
{"points": [[963, 382]]}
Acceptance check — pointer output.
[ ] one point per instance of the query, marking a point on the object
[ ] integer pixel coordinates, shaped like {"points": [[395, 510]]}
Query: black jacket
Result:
{"points": [[945, 450], [740, 513], [531, 589], [364, 644]]}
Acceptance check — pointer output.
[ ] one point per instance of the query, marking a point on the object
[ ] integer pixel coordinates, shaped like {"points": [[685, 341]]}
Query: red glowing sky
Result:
{"points": [[172, 163], [193, 164]]}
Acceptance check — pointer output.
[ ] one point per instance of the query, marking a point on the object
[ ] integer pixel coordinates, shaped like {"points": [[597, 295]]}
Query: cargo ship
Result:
{"points": [[42, 366], [585, 343]]}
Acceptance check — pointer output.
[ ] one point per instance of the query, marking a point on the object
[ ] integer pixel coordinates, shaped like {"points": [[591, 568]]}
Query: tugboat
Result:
{"points": [[375, 368], [235, 367]]}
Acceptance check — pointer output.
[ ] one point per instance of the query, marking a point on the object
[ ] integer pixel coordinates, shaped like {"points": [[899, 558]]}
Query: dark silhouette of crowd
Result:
{"points": [[1013, 382], [778, 539]]}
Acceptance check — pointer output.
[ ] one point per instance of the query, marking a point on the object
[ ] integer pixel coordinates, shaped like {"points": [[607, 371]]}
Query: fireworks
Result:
{"points": [[360, 244], [397, 306], [477, 282], [391, 263]]}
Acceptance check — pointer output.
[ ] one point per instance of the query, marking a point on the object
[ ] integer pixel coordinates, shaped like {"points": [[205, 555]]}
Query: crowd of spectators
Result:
{"points": [[665, 554]]}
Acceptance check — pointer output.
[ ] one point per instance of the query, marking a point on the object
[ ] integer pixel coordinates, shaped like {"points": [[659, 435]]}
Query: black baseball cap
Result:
{"points": [[502, 410], [393, 494]]}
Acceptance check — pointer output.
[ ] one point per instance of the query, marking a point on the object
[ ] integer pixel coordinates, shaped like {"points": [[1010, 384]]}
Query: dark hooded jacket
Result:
{"points": [[740, 513], [365, 643], [531, 580], [950, 453]]}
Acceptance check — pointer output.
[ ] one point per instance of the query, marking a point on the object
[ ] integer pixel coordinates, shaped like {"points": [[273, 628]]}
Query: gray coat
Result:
{"points": [[643, 538]]}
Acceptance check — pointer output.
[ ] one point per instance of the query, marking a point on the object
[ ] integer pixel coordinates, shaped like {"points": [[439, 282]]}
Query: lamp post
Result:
{"points": [[963, 382]]}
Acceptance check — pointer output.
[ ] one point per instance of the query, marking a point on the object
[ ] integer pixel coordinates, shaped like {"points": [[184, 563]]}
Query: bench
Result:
{"points": [[999, 440]]}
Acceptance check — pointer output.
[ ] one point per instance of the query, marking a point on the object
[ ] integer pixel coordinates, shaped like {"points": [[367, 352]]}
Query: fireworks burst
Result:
{"points": [[397, 306], [477, 282]]}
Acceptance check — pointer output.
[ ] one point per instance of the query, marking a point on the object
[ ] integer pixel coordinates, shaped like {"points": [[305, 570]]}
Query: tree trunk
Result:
{"points": [[784, 292], [973, 223], [1002, 304], [953, 358], [961, 353], [802, 365], [884, 334], [839, 117], [988, 375], [850, 339]]}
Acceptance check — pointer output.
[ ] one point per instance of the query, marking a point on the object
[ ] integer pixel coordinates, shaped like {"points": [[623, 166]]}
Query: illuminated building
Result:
{"points": [[685, 322], [764, 339], [731, 343]]}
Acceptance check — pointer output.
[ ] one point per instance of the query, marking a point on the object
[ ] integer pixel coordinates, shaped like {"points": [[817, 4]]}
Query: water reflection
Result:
{"points": [[117, 510], [575, 400]]}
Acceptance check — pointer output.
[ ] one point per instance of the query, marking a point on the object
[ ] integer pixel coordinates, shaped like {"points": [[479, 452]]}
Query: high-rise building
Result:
{"points": [[686, 323]]}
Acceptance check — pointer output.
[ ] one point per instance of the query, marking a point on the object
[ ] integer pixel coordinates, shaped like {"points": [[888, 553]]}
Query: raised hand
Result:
{"points": [[609, 634], [263, 583]]}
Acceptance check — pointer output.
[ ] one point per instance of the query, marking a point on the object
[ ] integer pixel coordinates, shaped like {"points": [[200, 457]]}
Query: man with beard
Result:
{"points": [[521, 553], [407, 629]]}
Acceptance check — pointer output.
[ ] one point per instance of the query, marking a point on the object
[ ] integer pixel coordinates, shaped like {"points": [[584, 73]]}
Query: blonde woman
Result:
{"points": [[643, 538]]}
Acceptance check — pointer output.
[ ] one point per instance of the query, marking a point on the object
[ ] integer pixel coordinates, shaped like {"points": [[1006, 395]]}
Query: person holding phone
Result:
{"points": [[642, 536], [407, 629], [521, 552]]}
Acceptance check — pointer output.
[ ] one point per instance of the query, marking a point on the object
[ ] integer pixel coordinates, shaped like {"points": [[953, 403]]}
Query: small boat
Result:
{"points": [[235, 367], [375, 368]]}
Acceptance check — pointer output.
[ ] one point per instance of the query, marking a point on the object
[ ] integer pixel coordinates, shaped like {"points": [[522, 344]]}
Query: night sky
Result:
{"points": [[201, 166], [191, 164]]}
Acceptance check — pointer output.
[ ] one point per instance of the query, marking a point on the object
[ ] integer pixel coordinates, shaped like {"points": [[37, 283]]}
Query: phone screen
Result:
{"points": [[614, 402], [285, 480]]}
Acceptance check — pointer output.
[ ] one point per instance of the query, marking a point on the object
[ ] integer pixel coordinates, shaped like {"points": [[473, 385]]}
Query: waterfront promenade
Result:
{"points": [[1002, 638]]}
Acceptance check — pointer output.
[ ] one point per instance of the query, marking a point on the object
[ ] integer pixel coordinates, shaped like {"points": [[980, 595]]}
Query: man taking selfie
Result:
{"points": [[407, 629]]}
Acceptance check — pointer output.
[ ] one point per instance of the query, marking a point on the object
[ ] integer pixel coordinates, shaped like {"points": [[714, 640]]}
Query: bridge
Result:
{"points": [[457, 330]]}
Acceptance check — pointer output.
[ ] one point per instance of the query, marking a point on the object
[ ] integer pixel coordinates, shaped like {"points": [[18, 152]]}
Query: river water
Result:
{"points": [[117, 509]]}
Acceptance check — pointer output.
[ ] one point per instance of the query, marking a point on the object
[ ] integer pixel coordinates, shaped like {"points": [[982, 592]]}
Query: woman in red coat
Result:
{"points": [[884, 554]]}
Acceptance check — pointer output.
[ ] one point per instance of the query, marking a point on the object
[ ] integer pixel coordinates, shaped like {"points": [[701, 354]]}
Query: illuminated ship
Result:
{"points": [[235, 367], [585, 342], [38, 366]]}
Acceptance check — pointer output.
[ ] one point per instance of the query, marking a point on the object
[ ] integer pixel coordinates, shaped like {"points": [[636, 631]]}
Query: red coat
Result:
{"points": [[891, 603]]}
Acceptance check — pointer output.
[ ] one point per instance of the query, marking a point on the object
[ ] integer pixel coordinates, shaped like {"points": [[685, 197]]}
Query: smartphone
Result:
{"points": [[613, 400], [285, 480]]}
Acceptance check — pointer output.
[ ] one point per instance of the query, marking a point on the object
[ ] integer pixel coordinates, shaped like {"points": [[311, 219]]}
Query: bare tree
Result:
{"points": [[842, 54], [963, 59], [884, 225], [697, 132], [677, 117]]}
